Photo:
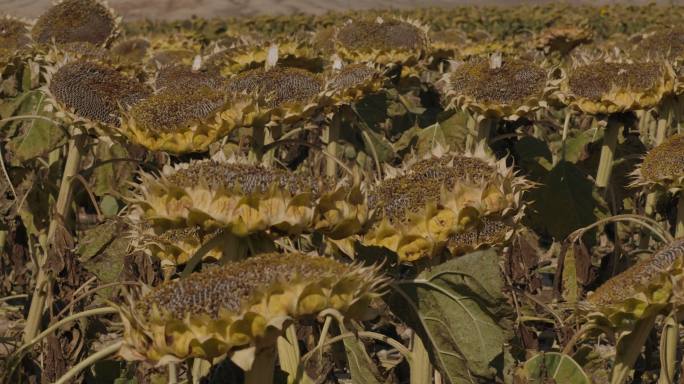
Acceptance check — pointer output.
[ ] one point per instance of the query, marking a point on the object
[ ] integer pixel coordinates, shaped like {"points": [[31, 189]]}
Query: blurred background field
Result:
{"points": [[177, 9]]}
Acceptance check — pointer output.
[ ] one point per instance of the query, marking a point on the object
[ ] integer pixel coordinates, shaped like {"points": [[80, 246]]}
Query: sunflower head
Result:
{"points": [[92, 93], [352, 83], [175, 246], [664, 44], [14, 36], [562, 39], [77, 50], [382, 41], [181, 77], [69, 21], [509, 89], [184, 120], [243, 304], [421, 206], [604, 88], [131, 51], [243, 197], [491, 231], [164, 50], [290, 53], [642, 290], [289, 94], [446, 42], [663, 166]]}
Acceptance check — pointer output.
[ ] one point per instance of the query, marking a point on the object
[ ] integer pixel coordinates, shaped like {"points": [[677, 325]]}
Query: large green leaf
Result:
{"points": [[564, 202], [557, 366], [533, 156], [461, 313], [361, 367], [38, 136], [110, 176]]}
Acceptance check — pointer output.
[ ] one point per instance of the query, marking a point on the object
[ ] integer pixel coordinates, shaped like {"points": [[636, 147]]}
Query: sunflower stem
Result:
{"points": [[290, 357], [421, 370], [669, 341], [59, 324], [200, 368], [43, 280], [679, 229], [608, 151], [69, 376], [485, 128], [665, 120], [628, 351], [173, 373], [332, 135], [263, 367]]}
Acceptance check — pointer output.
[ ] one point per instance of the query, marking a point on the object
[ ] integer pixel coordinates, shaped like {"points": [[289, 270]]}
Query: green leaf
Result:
{"points": [[461, 313], [362, 368], [557, 366], [109, 206], [40, 136], [628, 348], [111, 176], [373, 141], [576, 146], [570, 286], [565, 193], [95, 239], [533, 156]]}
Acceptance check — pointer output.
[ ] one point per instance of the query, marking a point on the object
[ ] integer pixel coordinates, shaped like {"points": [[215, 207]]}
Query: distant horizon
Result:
{"points": [[182, 9]]}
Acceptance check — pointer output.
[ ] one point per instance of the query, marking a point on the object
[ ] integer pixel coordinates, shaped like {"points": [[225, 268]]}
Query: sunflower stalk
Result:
{"points": [[64, 197], [289, 356], [665, 120], [71, 374], [486, 127], [263, 368], [628, 352], [669, 341], [421, 369], [331, 136], [610, 137], [200, 368], [679, 229]]}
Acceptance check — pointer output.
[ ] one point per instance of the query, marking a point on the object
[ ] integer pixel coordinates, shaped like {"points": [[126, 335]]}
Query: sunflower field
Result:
{"points": [[447, 196]]}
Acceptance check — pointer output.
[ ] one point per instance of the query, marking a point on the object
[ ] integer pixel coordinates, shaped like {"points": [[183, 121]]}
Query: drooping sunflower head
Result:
{"points": [[246, 198], [353, 82], [164, 51], [509, 89], [68, 21], [184, 120], [235, 194], [382, 41], [604, 88], [491, 231], [288, 53], [243, 304], [175, 246], [288, 93], [181, 77], [562, 39], [421, 206], [663, 166], [446, 42], [76, 50], [14, 36], [92, 93], [640, 291], [664, 44], [131, 51]]}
